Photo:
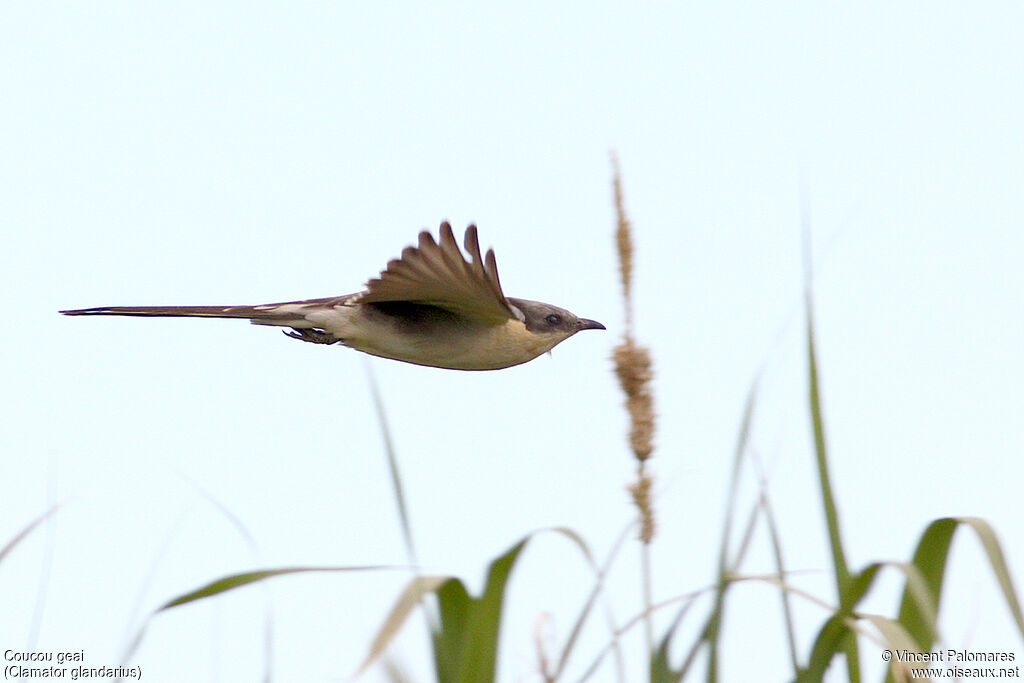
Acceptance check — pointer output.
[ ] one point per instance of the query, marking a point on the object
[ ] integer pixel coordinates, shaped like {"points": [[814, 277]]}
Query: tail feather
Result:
{"points": [[284, 314], [174, 311], [287, 314]]}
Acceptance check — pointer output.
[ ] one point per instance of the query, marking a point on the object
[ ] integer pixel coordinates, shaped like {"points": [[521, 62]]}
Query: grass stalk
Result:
{"points": [[633, 367]]}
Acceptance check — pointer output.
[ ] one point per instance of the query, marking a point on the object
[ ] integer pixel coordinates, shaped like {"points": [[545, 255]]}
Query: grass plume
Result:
{"points": [[634, 369]]}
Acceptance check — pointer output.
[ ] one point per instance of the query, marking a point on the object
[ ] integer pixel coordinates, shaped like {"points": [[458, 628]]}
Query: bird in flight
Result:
{"points": [[430, 307]]}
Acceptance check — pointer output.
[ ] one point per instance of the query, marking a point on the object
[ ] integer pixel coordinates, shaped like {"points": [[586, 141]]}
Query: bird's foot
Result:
{"points": [[312, 336]]}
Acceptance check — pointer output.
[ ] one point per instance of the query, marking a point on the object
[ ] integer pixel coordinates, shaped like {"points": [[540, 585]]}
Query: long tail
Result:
{"points": [[287, 314], [173, 311]]}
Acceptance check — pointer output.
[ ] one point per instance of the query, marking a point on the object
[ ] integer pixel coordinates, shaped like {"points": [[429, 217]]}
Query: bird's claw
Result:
{"points": [[312, 335]]}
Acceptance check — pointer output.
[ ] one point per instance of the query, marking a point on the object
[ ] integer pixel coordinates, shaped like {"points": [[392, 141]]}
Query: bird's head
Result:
{"points": [[551, 323]]}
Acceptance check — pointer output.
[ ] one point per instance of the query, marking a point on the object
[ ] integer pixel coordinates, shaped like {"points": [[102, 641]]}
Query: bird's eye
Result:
{"points": [[554, 319]]}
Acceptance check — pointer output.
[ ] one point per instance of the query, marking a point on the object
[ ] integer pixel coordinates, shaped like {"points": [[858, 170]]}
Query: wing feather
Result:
{"points": [[437, 274]]}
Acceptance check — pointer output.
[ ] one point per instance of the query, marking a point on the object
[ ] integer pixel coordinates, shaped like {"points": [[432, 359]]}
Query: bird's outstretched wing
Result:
{"points": [[437, 274]]}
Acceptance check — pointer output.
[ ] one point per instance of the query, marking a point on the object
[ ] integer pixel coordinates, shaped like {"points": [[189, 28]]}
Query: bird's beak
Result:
{"points": [[591, 325]]}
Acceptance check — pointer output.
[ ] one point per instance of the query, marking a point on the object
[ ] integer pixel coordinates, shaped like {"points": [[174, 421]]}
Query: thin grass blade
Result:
{"points": [[396, 475], [23, 534], [410, 598], [990, 542], [599, 574], [229, 583]]}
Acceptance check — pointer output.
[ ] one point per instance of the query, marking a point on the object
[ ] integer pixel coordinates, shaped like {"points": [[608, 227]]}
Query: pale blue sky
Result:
{"points": [[182, 153]]}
